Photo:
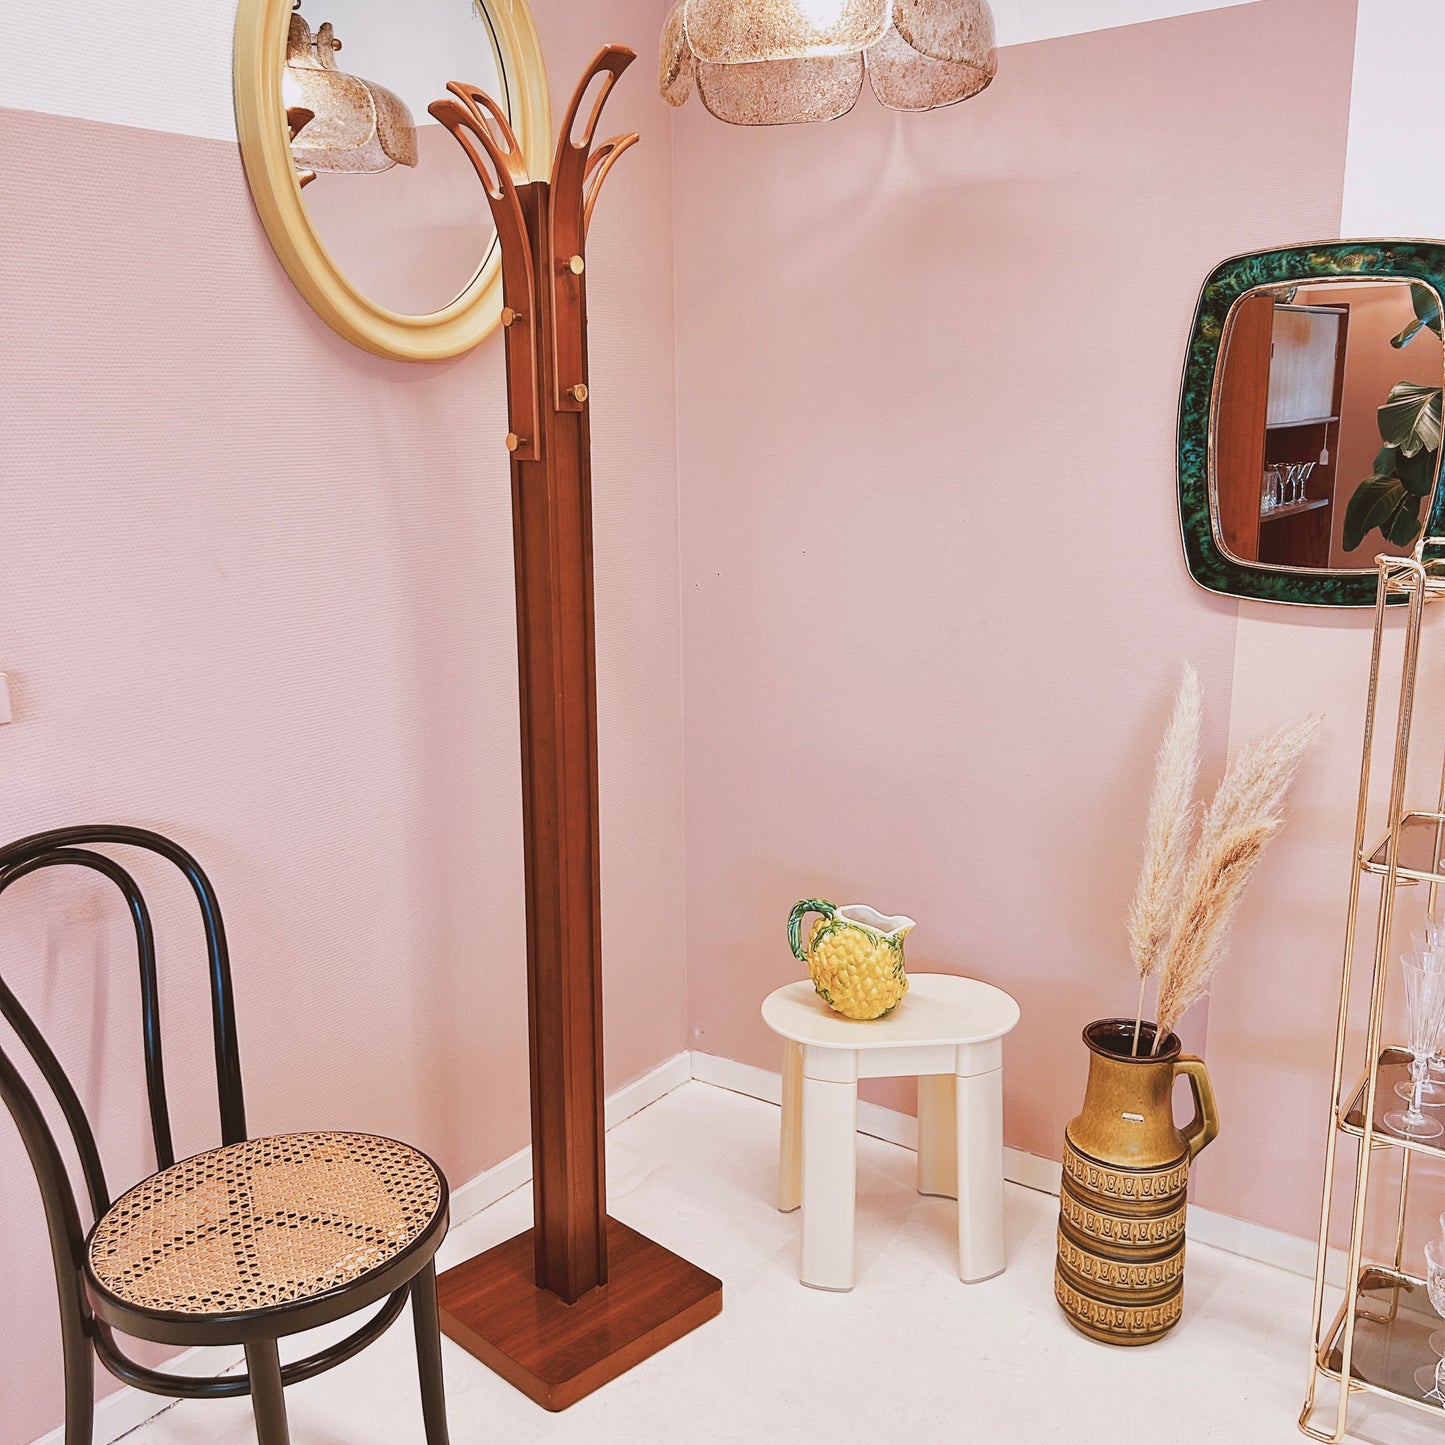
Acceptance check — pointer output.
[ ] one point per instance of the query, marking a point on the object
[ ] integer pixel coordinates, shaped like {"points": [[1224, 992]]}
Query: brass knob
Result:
{"points": [[576, 265], [514, 441], [578, 392], [509, 317]]}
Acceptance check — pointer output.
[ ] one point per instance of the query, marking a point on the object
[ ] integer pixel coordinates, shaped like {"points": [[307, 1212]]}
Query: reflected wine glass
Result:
{"points": [[1425, 1011], [1430, 1379], [1302, 476], [1291, 472], [1286, 483]]}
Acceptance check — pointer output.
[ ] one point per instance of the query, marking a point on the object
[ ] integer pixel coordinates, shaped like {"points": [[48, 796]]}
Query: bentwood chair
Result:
{"points": [[241, 1245]]}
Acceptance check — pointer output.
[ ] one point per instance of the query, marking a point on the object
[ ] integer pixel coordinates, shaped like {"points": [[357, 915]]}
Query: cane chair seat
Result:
{"points": [[264, 1224]]}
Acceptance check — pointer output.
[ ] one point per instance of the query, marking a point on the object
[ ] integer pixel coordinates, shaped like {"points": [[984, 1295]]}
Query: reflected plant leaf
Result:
{"points": [[1375, 502], [1427, 314], [1410, 419], [1382, 502], [1417, 473], [1402, 526]]}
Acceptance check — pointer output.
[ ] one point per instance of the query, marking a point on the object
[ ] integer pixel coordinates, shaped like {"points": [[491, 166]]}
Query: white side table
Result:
{"points": [[949, 1032]]}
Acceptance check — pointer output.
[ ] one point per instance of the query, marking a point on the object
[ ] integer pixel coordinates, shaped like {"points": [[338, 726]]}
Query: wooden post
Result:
{"points": [[579, 1298]]}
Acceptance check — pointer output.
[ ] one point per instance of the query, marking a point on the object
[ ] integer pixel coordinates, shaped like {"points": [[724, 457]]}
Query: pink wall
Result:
{"points": [[256, 591], [933, 600]]}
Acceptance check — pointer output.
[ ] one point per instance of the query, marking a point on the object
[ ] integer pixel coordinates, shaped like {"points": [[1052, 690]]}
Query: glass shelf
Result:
{"points": [[1392, 1338], [1293, 509], [1394, 1069], [1422, 841]]}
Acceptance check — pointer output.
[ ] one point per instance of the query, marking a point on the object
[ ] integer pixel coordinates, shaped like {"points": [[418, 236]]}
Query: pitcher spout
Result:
{"points": [[897, 927]]}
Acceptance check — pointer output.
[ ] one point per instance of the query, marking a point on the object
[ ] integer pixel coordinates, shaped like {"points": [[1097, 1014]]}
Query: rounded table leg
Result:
{"points": [[830, 1140], [790, 1137], [938, 1135], [980, 1176]]}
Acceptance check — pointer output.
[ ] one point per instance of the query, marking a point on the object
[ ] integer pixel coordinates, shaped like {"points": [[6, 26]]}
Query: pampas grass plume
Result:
{"points": [[1247, 811], [1166, 837]]}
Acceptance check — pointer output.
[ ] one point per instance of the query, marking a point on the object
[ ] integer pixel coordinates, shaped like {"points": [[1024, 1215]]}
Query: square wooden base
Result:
{"points": [[556, 1353]]}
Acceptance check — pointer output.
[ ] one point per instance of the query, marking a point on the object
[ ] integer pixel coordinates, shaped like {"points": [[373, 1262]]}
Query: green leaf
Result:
{"points": [[1376, 500], [1402, 526], [1427, 313], [1387, 461], [1410, 419], [1417, 472]]}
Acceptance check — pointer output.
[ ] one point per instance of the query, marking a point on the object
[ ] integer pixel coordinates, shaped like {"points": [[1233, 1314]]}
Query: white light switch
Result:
{"points": [[4, 698]]}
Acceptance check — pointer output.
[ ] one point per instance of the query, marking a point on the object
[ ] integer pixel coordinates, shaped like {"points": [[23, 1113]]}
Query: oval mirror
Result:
{"points": [[371, 206], [1313, 401]]}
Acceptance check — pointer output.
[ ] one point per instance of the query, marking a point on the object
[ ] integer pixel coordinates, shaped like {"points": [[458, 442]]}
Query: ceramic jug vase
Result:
{"points": [[1120, 1270], [854, 956]]}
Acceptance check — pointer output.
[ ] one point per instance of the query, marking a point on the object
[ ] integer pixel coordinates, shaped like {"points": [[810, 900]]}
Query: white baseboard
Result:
{"points": [[1236, 1236], [127, 1409], [516, 1170]]}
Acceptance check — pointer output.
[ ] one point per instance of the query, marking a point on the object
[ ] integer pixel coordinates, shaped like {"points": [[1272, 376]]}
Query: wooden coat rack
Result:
{"points": [[579, 1298]]}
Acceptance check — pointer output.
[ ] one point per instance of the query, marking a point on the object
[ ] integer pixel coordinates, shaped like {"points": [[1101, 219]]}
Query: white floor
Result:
{"points": [[910, 1354]]}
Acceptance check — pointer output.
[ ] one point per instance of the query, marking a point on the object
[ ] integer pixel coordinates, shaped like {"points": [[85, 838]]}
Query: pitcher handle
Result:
{"points": [[795, 922], [1205, 1125]]}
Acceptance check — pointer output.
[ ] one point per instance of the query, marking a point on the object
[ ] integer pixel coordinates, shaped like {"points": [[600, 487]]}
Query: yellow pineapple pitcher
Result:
{"points": [[854, 956]]}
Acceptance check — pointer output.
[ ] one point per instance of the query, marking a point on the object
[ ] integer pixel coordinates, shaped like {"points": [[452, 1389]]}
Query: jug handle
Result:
{"points": [[1205, 1124], [795, 922]]}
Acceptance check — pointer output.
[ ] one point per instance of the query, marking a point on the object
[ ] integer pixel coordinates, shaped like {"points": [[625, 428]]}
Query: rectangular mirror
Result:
{"points": [[1310, 420]]}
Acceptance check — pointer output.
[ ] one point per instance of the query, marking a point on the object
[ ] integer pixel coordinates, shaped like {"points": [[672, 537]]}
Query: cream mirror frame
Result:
{"points": [[260, 58]]}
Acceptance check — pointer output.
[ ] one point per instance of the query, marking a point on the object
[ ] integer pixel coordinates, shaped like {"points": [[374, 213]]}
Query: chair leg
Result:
{"points": [[268, 1400], [429, 1354], [79, 1383]]}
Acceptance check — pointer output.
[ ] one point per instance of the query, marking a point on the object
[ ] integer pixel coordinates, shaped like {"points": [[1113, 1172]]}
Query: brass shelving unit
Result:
{"points": [[1379, 1335]]}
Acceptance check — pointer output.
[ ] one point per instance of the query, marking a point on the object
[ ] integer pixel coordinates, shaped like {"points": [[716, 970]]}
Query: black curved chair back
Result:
{"points": [[73, 847]]}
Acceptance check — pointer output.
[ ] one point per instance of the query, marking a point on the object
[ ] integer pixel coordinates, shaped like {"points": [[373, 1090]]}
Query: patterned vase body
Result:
{"points": [[1120, 1270], [854, 956]]}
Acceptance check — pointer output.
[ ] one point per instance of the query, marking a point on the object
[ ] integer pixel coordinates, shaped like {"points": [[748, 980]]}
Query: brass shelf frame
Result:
{"points": [[1389, 1285], [1370, 1344]]}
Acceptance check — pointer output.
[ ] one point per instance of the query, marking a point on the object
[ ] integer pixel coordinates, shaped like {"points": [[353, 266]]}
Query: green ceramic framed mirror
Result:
{"points": [[1310, 420]]}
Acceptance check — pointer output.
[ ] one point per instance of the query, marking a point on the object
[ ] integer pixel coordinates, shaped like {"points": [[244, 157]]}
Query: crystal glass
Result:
{"points": [[1430, 951], [1433, 936], [1302, 475], [1272, 487], [1425, 1011], [1431, 1378]]}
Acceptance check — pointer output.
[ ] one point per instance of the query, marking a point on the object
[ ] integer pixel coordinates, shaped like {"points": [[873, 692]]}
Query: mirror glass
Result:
{"points": [[1325, 425], [410, 236]]}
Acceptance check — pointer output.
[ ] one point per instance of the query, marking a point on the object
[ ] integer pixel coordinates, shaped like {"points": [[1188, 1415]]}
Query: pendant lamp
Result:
{"points": [[782, 62], [356, 126]]}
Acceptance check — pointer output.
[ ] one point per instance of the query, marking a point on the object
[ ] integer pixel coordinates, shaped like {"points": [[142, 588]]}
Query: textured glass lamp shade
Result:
{"points": [[356, 126], [782, 62]]}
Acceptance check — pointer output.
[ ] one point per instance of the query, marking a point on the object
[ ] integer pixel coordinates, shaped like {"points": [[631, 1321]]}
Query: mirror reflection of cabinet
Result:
{"points": [[1360, 323], [1280, 401]]}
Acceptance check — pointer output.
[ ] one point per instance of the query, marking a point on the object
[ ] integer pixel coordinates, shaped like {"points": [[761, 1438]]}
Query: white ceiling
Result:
{"points": [[166, 65]]}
